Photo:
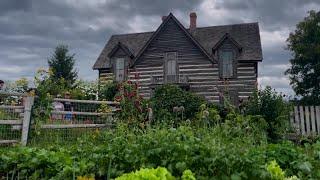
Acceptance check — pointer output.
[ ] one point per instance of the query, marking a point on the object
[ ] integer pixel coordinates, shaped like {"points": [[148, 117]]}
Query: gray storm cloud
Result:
{"points": [[30, 29]]}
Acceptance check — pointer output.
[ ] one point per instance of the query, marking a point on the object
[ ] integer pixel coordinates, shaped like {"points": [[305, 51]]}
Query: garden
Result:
{"points": [[173, 135], [186, 138]]}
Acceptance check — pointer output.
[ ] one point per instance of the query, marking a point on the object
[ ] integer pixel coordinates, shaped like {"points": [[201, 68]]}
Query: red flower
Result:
{"points": [[118, 98]]}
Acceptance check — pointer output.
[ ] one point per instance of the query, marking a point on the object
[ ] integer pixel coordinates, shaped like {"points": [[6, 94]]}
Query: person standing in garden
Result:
{"points": [[1, 89], [68, 106], [1, 85], [57, 106]]}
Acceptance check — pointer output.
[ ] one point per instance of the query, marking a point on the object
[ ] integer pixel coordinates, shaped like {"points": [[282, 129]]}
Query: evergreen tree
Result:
{"points": [[304, 73], [62, 65]]}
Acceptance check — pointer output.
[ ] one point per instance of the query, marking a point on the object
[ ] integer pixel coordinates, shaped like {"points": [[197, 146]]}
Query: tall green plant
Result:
{"points": [[273, 108], [132, 105], [166, 97]]}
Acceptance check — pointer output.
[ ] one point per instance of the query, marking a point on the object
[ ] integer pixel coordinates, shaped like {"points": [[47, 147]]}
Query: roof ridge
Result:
{"points": [[239, 24], [228, 25], [133, 33]]}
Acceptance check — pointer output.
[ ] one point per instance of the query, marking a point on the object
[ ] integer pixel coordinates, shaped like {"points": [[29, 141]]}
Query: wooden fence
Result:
{"points": [[22, 123], [306, 120]]}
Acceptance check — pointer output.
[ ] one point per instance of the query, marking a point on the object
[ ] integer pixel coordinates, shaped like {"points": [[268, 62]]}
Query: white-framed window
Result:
{"points": [[226, 58], [171, 67], [119, 69]]}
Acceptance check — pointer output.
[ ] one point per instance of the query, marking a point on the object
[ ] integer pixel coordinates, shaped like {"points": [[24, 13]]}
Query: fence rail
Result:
{"points": [[73, 116], [306, 120]]}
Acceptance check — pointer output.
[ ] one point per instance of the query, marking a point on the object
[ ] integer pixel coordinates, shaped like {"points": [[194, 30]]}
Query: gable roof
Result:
{"points": [[225, 37], [163, 24], [246, 35], [123, 47]]}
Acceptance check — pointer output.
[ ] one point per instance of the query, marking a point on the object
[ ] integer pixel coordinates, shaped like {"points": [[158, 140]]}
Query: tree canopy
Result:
{"points": [[62, 65], [304, 72]]}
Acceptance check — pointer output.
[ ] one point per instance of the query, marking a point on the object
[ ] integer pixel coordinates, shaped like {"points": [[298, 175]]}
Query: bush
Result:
{"points": [[133, 107], [108, 91], [167, 97], [273, 108]]}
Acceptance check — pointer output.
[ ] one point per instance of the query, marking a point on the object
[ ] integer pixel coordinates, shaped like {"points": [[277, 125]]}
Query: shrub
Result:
{"points": [[108, 90], [167, 97], [133, 107], [273, 108]]}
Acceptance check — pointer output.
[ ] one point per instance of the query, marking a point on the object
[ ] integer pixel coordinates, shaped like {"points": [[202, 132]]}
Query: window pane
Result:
{"points": [[226, 58], [119, 70]]}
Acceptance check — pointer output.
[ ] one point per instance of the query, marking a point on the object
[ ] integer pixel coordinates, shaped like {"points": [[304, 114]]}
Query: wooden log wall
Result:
{"points": [[202, 73]]}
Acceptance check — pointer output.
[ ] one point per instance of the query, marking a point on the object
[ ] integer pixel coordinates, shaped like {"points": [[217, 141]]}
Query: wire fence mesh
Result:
{"points": [[11, 117], [70, 119], [67, 119]]}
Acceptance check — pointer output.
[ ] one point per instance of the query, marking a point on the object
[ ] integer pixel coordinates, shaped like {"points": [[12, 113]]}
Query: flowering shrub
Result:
{"points": [[133, 108]]}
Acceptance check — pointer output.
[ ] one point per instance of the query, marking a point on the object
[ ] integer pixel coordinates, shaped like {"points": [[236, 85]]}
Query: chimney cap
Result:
{"points": [[193, 14], [163, 18]]}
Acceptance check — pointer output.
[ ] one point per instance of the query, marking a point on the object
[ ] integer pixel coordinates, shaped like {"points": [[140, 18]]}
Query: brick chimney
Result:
{"points": [[193, 21], [163, 18]]}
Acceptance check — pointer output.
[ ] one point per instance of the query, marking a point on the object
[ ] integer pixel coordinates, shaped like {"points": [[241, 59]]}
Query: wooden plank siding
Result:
{"points": [[203, 74], [306, 120]]}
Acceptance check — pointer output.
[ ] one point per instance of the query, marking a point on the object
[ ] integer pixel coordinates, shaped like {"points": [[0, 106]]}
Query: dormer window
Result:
{"points": [[119, 69], [226, 59]]}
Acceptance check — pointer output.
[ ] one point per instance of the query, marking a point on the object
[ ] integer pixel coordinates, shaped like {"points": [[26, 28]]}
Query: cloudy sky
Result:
{"points": [[31, 29]]}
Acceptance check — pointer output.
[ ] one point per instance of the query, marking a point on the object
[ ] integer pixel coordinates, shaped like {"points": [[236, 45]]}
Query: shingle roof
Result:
{"points": [[247, 35]]}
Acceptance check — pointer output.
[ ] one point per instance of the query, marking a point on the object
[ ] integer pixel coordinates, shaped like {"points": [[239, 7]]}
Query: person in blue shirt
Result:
{"points": [[68, 107]]}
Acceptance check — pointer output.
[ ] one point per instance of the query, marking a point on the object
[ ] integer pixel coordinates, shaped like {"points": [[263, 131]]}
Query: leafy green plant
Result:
{"points": [[208, 152], [108, 90], [187, 175], [208, 116], [166, 97], [133, 107], [159, 173], [273, 108], [275, 171]]}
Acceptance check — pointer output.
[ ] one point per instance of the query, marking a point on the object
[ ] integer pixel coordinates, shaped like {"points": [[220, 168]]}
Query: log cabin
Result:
{"points": [[209, 61]]}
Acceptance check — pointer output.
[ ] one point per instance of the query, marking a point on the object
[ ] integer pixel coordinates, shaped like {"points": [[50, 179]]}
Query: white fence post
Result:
{"points": [[306, 119], [26, 120], [318, 118], [302, 126]]}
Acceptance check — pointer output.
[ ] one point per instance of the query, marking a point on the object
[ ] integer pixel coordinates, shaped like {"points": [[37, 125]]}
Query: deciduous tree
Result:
{"points": [[304, 72]]}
